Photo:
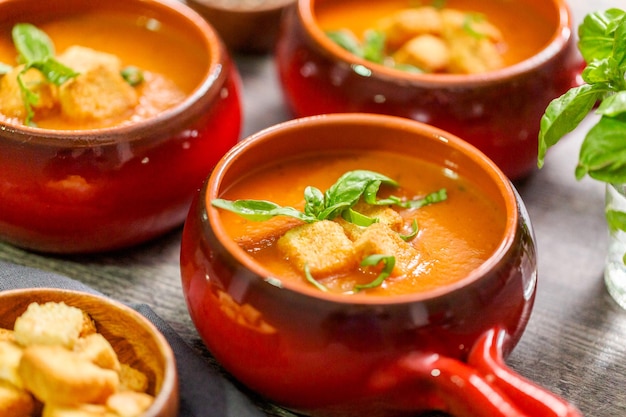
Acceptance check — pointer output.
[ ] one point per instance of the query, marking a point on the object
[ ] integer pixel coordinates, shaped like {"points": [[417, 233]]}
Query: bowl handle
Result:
{"points": [[482, 387]]}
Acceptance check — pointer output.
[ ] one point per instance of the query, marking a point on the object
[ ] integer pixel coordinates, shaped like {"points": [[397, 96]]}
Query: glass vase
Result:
{"points": [[615, 269]]}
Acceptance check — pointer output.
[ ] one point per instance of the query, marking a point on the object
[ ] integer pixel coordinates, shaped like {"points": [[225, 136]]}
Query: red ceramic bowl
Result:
{"points": [[69, 191], [331, 354], [497, 111]]}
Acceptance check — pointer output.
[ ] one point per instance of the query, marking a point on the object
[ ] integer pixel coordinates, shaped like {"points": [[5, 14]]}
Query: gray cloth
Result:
{"points": [[204, 392]]}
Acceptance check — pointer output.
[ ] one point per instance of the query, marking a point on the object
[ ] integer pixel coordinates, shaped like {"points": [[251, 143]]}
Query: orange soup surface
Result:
{"points": [[525, 28], [455, 236], [172, 62]]}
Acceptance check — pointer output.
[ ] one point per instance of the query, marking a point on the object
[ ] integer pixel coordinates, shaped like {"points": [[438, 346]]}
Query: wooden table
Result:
{"points": [[575, 342]]}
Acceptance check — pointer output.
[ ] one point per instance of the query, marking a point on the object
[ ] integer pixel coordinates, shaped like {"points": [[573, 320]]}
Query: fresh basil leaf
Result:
{"points": [[564, 113], [374, 46], [54, 71], [314, 201], [5, 68], [334, 210], [432, 198], [613, 105], [132, 75], [596, 34], [32, 44], [603, 151], [601, 71], [351, 186], [357, 218], [259, 210], [316, 283], [616, 220], [389, 262], [347, 41], [413, 234]]}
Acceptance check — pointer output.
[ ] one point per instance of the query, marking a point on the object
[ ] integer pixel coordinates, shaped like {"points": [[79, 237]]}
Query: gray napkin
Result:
{"points": [[204, 392]]}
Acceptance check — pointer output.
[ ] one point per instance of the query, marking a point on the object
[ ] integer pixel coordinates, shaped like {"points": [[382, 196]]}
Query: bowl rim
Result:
{"points": [[561, 36], [169, 386], [262, 7], [207, 89], [209, 216]]}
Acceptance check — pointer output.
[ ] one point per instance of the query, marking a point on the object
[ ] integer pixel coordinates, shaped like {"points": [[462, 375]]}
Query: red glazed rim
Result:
{"points": [[557, 43], [165, 121], [255, 143]]}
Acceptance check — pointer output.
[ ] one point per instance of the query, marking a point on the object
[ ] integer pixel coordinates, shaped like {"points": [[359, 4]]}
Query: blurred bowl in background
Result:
{"points": [[246, 26]]}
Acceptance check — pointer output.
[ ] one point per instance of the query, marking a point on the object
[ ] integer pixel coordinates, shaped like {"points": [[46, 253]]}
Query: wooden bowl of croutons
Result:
{"points": [[484, 71], [67, 353], [111, 115], [359, 264]]}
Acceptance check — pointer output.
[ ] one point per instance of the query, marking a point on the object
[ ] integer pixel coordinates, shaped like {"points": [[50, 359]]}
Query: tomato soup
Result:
{"points": [[454, 237], [525, 30], [137, 40]]}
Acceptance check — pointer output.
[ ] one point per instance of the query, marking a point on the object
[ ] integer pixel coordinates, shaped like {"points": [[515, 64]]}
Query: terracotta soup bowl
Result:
{"points": [[72, 181], [432, 336], [137, 343], [496, 106]]}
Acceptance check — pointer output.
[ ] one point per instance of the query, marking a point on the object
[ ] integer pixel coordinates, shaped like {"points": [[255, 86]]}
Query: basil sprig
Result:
{"points": [[388, 262], [36, 50], [338, 200], [603, 152]]}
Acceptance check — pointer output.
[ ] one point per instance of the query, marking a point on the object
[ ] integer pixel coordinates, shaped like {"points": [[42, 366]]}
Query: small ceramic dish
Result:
{"points": [[136, 341], [497, 110], [246, 26], [68, 189], [420, 341]]}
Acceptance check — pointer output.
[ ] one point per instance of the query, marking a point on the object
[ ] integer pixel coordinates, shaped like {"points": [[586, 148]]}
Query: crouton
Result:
{"points": [[384, 214], [322, 246], [129, 404], [427, 52], [97, 350], [132, 379], [81, 410], [54, 374], [49, 324], [97, 94], [471, 55], [15, 402], [10, 355], [99, 91], [11, 96], [380, 239], [406, 24], [7, 334]]}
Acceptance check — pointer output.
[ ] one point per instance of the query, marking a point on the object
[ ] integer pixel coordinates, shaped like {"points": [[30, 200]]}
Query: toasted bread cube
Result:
{"points": [[427, 52], [10, 356], [81, 410], [96, 349], [322, 245], [49, 324], [384, 214], [99, 91], [455, 21], [129, 403], [97, 94], [56, 374], [15, 402], [469, 55], [406, 24], [380, 239], [132, 379], [82, 59], [7, 334], [11, 97]]}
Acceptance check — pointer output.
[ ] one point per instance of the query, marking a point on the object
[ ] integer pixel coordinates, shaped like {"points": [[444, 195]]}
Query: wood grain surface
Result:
{"points": [[575, 342]]}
